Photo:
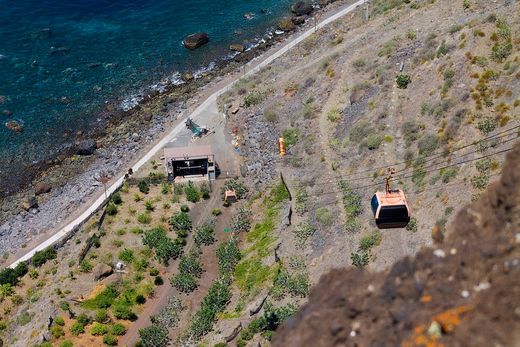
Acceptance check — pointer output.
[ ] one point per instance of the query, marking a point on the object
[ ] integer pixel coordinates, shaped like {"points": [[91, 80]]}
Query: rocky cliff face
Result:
{"points": [[465, 292]]}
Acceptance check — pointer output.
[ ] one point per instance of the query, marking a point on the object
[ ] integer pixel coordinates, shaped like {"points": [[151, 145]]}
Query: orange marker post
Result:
{"points": [[281, 146]]}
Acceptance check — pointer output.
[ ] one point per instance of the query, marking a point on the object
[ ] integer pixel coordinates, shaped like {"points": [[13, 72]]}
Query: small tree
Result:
{"points": [[192, 194], [181, 221], [403, 80]]}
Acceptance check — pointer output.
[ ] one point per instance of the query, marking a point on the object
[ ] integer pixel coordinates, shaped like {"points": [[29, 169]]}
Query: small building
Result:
{"points": [[189, 163]]}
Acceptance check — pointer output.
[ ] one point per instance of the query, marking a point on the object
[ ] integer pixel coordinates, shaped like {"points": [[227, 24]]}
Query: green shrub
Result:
{"points": [[500, 51], [184, 282], [126, 255], [192, 194], [118, 329], [185, 208], [253, 98], [59, 321], [481, 181], [296, 285], [166, 188], [116, 198], [140, 299], [487, 125], [41, 257], [164, 247], [143, 186], [144, 218], [358, 63], [101, 316], [57, 331], [204, 190], [270, 115], [182, 233], [85, 266], [204, 235], [67, 343], [411, 34], [360, 259], [110, 340], [181, 221], [123, 312], [158, 281], [101, 300], [111, 209], [412, 225], [302, 232], [228, 255], [290, 136], [216, 212], [411, 132], [148, 205], [324, 216], [12, 276], [83, 318], [334, 115], [442, 50], [402, 81], [372, 141], [154, 336], [241, 221], [455, 28], [369, 241], [215, 302]]}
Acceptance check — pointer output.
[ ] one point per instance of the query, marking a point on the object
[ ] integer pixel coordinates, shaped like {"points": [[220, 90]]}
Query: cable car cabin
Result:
{"points": [[390, 209]]}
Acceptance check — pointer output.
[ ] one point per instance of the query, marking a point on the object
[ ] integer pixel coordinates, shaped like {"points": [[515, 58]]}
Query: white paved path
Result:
{"points": [[209, 104]]}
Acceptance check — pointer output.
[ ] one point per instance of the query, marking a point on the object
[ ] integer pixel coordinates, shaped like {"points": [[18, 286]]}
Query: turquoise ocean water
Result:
{"points": [[60, 61]]}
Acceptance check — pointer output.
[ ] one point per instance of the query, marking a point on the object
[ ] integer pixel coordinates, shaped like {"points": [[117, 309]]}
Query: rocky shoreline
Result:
{"points": [[59, 187]]}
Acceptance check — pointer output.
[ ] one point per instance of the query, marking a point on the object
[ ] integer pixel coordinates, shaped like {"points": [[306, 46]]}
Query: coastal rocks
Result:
{"points": [[249, 15], [299, 20], [301, 8], [195, 41], [186, 77], [86, 147], [286, 24], [42, 188], [101, 271], [14, 126], [237, 47], [245, 57], [29, 203]]}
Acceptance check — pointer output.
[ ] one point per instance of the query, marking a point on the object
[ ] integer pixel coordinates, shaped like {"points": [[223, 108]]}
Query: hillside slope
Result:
{"points": [[466, 292]]}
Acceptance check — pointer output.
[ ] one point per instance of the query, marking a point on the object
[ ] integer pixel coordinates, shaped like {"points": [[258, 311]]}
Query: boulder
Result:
{"points": [[301, 8], [86, 147], [237, 47], [29, 203], [231, 329], [194, 41], [14, 126], [356, 96], [286, 24], [101, 271], [42, 188], [257, 305], [187, 77]]}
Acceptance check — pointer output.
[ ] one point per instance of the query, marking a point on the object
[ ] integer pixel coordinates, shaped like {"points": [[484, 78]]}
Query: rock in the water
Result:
{"points": [[86, 147], [286, 24], [187, 77], [14, 126], [3, 99], [29, 203], [42, 188], [301, 8], [194, 41], [8, 113], [101, 271], [237, 47]]}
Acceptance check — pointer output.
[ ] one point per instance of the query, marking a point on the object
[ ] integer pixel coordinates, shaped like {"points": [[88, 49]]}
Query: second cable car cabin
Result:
{"points": [[390, 207]]}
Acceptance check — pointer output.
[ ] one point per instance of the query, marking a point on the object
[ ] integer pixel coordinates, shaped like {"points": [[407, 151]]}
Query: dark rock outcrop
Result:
{"points": [[194, 41], [464, 293], [86, 147], [29, 202], [42, 188], [101, 271], [299, 20], [301, 8], [237, 47]]}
